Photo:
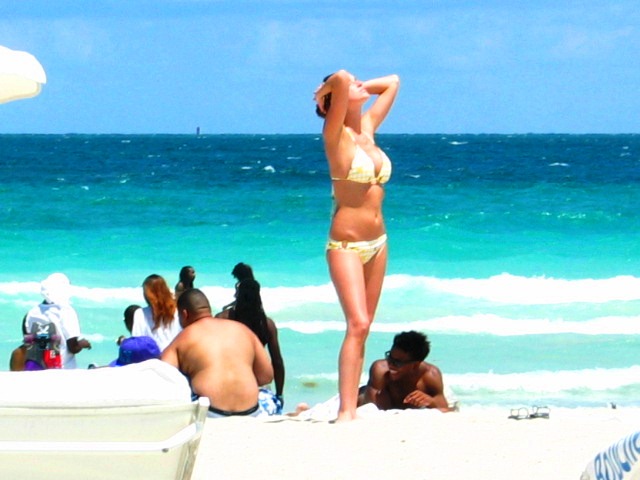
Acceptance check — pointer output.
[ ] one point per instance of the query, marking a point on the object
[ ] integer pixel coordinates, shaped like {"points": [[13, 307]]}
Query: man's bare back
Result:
{"points": [[223, 359]]}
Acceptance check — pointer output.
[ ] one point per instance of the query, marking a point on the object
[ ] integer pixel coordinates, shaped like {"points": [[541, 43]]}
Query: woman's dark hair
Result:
{"points": [[185, 276], [248, 308], [326, 103], [242, 271]]}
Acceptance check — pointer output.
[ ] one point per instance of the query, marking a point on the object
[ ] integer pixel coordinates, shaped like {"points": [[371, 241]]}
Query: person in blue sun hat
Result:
{"points": [[136, 350]]}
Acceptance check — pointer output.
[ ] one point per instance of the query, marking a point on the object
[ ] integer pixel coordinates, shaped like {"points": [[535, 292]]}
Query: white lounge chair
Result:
{"points": [[133, 422]]}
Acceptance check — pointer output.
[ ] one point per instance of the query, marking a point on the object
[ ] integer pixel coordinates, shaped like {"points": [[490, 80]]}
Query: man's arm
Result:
{"points": [[18, 357], [170, 355], [76, 345], [262, 368], [375, 386], [429, 392], [71, 330]]}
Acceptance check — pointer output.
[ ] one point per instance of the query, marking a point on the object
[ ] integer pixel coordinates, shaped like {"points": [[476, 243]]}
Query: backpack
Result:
{"points": [[43, 347]]}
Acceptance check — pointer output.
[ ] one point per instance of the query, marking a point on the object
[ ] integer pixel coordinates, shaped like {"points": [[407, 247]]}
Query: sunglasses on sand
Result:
{"points": [[396, 362]]}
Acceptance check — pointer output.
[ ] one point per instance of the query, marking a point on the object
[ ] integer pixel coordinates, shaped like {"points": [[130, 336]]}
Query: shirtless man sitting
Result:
{"points": [[403, 379], [223, 359]]}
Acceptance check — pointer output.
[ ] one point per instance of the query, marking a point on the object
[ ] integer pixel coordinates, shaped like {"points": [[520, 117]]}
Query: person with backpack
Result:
{"points": [[53, 328]]}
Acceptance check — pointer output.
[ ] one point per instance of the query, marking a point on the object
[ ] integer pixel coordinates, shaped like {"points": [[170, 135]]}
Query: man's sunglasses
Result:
{"points": [[396, 362]]}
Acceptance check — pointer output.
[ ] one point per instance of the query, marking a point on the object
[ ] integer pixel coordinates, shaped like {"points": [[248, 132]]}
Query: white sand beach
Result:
{"points": [[478, 443]]}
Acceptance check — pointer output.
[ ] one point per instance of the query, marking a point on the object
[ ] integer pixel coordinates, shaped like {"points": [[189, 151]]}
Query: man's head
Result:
{"points": [[128, 316], [193, 305], [56, 289], [409, 348]]}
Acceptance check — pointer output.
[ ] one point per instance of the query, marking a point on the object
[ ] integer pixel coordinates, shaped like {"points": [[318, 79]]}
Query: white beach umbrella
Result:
{"points": [[21, 75]]}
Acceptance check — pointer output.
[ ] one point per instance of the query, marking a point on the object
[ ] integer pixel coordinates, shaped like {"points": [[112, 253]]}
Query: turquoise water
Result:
{"points": [[517, 255]]}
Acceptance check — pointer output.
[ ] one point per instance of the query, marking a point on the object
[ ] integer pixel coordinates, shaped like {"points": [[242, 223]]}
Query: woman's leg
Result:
{"points": [[374, 272], [348, 279], [358, 288]]}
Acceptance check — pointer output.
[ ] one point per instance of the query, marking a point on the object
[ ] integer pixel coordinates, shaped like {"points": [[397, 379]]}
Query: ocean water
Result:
{"points": [[518, 255]]}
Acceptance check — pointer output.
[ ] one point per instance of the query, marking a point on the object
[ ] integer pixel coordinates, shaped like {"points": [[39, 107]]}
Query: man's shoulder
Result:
{"points": [[431, 373], [379, 367], [380, 362], [219, 324], [431, 368], [41, 311], [33, 311]]}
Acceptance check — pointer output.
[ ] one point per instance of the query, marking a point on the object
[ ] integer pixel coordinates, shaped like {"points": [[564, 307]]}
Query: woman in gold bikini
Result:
{"points": [[357, 248]]}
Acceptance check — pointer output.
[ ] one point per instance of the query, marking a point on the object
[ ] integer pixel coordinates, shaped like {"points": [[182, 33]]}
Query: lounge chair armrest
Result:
{"points": [[183, 436]]}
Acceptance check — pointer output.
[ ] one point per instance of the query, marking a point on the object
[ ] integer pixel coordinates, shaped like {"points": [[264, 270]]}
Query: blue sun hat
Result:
{"points": [[136, 350]]}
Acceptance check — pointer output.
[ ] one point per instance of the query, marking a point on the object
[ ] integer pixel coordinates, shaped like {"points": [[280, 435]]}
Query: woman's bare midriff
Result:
{"points": [[358, 214]]}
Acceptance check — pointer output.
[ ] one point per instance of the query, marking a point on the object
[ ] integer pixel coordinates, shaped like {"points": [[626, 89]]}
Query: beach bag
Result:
{"points": [[43, 347]]}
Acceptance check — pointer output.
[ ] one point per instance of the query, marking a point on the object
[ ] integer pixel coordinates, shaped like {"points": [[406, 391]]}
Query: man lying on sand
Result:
{"points": [[403, 379]]}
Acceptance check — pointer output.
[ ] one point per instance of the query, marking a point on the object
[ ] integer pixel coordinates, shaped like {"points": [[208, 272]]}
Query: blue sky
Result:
{"points": [[169, 66]]}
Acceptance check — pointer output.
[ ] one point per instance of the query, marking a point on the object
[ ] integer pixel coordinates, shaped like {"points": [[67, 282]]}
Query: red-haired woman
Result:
{"points": [[159, 320]]}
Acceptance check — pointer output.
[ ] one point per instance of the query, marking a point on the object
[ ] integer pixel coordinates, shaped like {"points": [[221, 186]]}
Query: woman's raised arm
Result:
{"points": [[334, 108], [386, 88]]}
